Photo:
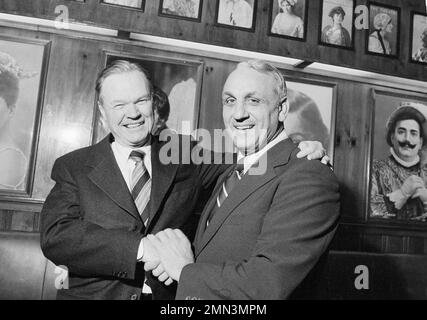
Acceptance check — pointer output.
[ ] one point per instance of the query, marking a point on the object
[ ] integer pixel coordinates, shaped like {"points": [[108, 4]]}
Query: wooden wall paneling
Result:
{"points": [[394, 244], [351, 147], [416, 245]]}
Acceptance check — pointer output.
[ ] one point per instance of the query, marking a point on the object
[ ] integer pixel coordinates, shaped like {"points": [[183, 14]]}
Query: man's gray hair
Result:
{"points": [[269, 69], [118, 67]]}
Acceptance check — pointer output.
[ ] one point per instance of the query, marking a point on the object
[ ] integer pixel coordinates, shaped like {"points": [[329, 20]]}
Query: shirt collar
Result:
{"points": [[404, 163], [249, 160], [123, 152]]}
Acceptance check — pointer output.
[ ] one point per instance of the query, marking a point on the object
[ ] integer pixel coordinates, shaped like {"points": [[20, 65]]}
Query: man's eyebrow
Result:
{"points": [[227, 93]]}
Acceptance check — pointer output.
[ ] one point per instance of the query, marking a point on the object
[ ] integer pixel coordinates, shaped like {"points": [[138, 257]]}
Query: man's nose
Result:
{"points": [[240, 111], [132, 111]]}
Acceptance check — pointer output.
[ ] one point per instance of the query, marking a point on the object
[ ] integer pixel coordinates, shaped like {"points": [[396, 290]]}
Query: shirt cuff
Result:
{"points": [[140, 250], [398, 198]]}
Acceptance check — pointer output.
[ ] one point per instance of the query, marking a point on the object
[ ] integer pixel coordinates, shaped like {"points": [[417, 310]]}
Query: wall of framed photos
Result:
{"points": [[67, 119], [390, 43]]}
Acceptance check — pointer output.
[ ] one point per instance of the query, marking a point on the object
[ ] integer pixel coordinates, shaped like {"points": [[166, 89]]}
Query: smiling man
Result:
{"points": [[262, 231], [398, 191], [109, 196]]}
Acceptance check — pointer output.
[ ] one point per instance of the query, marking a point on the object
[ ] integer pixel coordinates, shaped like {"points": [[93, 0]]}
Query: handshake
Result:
{"points": [[166, 254]]}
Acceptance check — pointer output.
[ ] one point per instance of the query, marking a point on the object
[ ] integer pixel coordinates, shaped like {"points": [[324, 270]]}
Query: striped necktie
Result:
{"points": [[228, 185], [140, 185]]}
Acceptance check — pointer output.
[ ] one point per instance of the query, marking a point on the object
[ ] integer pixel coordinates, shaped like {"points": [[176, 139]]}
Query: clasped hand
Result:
{"points": [[166, 254]]}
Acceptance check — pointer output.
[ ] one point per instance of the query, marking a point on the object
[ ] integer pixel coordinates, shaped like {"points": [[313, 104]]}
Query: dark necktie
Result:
{"points": [[140, 185], [228, 185]]}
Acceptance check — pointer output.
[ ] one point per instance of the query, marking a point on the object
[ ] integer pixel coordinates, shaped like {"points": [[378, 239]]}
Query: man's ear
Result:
{"points": [[283, 109]]}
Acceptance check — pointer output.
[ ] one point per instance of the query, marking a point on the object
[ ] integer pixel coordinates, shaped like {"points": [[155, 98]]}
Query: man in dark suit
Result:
{"points": [[109, 196], [93, 223], [270, 218]]}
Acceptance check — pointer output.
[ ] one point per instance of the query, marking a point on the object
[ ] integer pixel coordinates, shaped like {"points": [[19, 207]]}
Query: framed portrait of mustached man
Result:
{"points": [[22, 80], [398, 159]]}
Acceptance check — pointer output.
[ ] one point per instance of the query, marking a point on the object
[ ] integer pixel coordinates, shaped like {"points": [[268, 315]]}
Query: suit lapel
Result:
{"points": [[208, 208], [277, 156], [107, 176], [161, 181]]}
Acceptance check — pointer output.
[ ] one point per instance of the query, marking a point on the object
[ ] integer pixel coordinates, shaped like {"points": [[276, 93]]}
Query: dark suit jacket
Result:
{"points": [[90, 224], [268, 234]]}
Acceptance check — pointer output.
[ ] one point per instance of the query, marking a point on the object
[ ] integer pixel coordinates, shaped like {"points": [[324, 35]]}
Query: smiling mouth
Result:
{"points": [[134, 125], [243, 127]]}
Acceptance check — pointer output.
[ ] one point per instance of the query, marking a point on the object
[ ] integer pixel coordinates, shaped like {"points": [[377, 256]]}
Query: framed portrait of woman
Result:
{"points": [[288, 19], [383, 33], [337, 28], [418, 38], [181, 9], [236, 14], [22, 80]]}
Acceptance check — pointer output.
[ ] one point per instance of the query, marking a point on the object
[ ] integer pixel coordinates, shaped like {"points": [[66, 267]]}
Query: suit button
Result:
{"points": [[134, 297]]}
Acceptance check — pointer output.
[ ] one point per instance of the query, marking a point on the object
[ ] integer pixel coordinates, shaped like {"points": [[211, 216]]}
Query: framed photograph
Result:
{"points": [[179, 79], [288, 19], [22, 81], [384, 27], [311, 116], [181, 9], [337, 29], [236, 14], [418, 38], [132, 4], [398, 170]]}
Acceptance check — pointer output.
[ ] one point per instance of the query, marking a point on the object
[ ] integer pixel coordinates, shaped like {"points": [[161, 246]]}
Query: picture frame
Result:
{"points": [[288, 21], [22, 86], [127, 4], [174, 76], [318, 99], [418, 38], [383, 35], [341, 36], [240, 15], [181, 9], [385, 174]]}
